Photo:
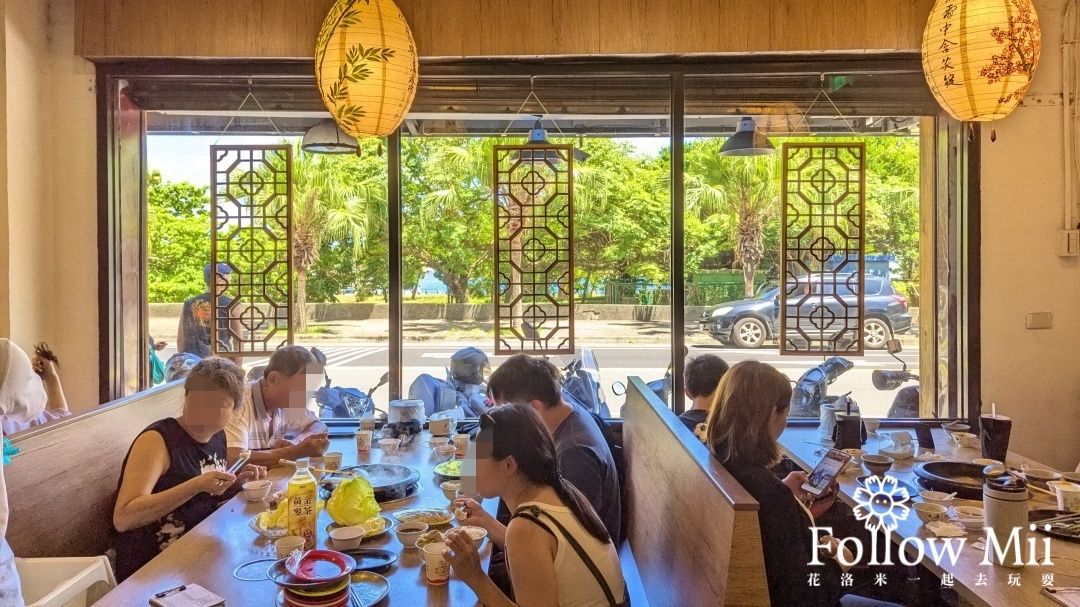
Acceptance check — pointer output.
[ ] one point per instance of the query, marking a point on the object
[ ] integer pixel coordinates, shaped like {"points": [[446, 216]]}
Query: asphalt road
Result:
{"points": [[360, 365]]}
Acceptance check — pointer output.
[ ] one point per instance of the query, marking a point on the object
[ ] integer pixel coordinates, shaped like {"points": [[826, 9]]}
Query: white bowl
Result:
{"points": [[444, 453], [871, 424], [970, 516], [450, 489], [476, 533], [936, 497], [256, 491], [389, 446], [347, 538], [929, 513], [407, 533], [856, 455]]}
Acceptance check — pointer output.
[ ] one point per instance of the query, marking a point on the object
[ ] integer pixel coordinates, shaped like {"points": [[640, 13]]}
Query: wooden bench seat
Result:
{"points": [[694, 531], [61, 484]]}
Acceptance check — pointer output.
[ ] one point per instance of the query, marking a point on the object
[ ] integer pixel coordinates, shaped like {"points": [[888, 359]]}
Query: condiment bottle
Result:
{"points": [[302, 512], [1005, 503]]}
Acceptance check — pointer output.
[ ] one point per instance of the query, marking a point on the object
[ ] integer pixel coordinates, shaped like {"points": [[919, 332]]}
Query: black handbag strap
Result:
{"points": [[532, 513]]}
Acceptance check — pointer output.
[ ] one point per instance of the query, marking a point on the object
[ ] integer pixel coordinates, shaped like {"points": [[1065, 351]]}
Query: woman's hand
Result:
{"points": [[462, 555], [250, 472], [795, 481], [476, 516], [213, 482]]}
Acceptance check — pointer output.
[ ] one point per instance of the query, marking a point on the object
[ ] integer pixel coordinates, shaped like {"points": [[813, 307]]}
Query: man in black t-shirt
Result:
{"points": [[193, 334], [701, 377]]}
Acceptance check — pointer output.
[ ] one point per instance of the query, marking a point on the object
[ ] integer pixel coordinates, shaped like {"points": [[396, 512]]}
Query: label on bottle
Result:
{"points": [[302, 513]]}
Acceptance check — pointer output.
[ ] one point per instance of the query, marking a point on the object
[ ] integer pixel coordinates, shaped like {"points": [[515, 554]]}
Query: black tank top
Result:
{"points": [[188, 458]]}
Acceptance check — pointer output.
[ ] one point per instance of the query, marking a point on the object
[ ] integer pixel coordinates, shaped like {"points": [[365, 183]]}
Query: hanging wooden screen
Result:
{"points": [[821, 303], [534, 250], [252, 213]]}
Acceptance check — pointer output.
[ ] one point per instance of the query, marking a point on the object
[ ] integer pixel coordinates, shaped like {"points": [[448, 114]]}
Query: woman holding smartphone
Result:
{"points": [[747, 419]]}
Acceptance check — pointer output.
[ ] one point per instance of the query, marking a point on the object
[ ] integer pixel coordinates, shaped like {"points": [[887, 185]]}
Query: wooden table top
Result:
{"points": [[208, 554], [997, 590]]}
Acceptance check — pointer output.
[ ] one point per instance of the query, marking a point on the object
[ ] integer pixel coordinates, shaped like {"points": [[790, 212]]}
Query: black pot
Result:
{"points": [[390, 481]]}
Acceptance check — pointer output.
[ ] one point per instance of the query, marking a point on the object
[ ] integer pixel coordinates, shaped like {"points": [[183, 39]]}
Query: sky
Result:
{"points": [[187, 157]]}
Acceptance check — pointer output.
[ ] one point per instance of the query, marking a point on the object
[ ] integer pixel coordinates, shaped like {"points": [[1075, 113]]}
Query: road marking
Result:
{"points": [[353, 357]]}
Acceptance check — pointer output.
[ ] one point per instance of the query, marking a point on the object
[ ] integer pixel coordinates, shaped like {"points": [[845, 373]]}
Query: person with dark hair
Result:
{"points": [[557, 547], [584, 456], [700, 377], [176, 468], [193, 334], [273, 423], [749, 414]]}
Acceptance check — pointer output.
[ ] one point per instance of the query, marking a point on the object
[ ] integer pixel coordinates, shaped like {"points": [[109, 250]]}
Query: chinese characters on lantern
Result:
{"points": [[948, 67]]}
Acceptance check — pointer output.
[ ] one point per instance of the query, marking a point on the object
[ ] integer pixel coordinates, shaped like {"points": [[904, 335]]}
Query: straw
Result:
{"points": [[993, 410]]}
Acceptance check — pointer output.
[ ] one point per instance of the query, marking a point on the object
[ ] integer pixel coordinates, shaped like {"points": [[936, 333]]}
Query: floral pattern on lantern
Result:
{"points": [[979, 56], [366, 66]]}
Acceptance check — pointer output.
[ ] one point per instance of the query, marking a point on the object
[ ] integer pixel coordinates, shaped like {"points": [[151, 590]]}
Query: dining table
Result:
{"points": [[209, 554], [975, 583]]}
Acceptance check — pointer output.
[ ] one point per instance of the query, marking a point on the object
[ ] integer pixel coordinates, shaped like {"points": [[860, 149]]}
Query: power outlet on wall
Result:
{"points": [[1040, 320], [1068, 243]]}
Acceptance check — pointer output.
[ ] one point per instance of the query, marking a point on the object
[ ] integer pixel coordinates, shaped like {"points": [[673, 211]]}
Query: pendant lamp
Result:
{"points": [[326, 137], [747, 141], [366, 66], [979, 56], [538, 137]]}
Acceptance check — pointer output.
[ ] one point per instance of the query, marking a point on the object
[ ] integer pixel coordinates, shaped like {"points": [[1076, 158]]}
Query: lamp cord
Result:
{"points": [[532, 95], [252, 97], [821, 92]]}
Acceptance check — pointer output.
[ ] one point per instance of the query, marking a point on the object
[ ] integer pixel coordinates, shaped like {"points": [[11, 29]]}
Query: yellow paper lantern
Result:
{"points": [[366, 66], [979, 55]]}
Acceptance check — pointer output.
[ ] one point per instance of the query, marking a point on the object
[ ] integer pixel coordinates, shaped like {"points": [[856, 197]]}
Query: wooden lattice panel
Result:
{"points": [[534, 249], [821, 303], [252, 214]]}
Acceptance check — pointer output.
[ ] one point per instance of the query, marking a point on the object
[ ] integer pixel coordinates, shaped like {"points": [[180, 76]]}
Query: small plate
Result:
{"points": [[372, 559], [278, 574], [319, 565], [386, 528], [432, 517], [446, 470], [273, 534], [369, 587]]}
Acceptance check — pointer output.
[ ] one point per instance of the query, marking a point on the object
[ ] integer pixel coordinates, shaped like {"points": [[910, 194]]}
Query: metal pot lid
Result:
{"points": [[387, 476]]}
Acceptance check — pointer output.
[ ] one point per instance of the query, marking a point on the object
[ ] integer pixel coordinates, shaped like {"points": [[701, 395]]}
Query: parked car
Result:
{"points": [[749, 323]]}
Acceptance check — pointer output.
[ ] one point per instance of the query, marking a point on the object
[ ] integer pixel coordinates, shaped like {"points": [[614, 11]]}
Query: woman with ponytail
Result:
{"points": [[559, 553]]}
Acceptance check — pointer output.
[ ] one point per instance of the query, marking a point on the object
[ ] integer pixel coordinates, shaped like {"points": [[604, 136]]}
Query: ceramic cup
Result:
{"points": [[461, 444], [437, 569], [438, 441], [367, 423], [286, 545], [363, 440], [332, 460]]}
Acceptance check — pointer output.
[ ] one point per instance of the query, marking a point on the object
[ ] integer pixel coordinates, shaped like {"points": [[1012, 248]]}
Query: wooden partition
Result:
{"points": [[61, 485], [693, 529]]}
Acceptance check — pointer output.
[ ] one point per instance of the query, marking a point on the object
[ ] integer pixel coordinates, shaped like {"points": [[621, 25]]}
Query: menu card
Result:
{"points": [[1070, 597], [191, 595]]}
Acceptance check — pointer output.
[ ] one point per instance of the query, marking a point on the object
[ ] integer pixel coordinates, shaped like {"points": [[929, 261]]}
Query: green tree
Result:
{"points": [[178, 235], [746, 186]]}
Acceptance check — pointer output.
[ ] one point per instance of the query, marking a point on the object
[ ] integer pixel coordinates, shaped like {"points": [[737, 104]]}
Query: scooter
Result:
{"points": [[465, 385], [906, 402], [811, 391], [581, 383]]}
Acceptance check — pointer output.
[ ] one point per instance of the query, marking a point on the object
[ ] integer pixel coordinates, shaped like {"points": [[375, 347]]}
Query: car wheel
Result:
{"points": [[748, 333], [876, 334]]}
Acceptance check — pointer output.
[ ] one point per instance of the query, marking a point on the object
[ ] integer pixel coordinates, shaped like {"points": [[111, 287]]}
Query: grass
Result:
{"points": [[318, 330]]}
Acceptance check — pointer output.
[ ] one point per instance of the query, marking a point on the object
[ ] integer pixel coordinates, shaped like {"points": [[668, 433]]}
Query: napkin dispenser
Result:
{"points": [[897, 445]]}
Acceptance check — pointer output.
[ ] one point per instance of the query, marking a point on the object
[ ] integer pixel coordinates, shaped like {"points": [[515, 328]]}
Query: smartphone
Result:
{"points": [[827, 469]]}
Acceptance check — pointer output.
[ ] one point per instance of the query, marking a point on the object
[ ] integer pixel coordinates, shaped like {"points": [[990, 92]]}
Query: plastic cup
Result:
{"points": [[363, 440], [367, 423], [461, 444], [332, 460], [437, 568], [287, 545]]}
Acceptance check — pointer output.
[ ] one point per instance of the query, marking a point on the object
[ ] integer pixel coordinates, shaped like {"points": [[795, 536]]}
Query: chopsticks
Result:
{"points": [[1059, 519], [237, 465], [1031, 485]]}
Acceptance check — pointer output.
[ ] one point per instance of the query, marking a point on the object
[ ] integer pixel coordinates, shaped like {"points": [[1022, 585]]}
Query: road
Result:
{"points": [[361, 364]]}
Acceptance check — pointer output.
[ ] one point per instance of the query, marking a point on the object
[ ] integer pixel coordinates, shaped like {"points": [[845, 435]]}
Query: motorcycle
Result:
{"points": [[906, 402], [335, 402], [811, 391], [465, 385], [581, 383]]}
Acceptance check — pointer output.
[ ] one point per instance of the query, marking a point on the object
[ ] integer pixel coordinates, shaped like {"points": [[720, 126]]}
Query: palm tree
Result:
{"points": [[328, 207], [747, 186]]}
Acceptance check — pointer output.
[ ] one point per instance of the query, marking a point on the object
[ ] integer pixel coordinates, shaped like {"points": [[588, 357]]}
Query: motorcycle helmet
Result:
{"points": [[179, 365], [470, 366]]}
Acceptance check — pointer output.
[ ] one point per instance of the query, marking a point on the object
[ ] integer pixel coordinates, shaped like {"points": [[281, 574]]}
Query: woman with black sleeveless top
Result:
{"points": [[174, 472]]}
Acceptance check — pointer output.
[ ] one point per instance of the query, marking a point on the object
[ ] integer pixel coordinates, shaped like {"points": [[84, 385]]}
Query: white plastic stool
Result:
{"points": [[64, 582]]}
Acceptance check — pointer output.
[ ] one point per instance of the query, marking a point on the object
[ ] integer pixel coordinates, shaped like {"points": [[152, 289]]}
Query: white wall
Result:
{"points": [[49, 192], [1032, 375]]}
